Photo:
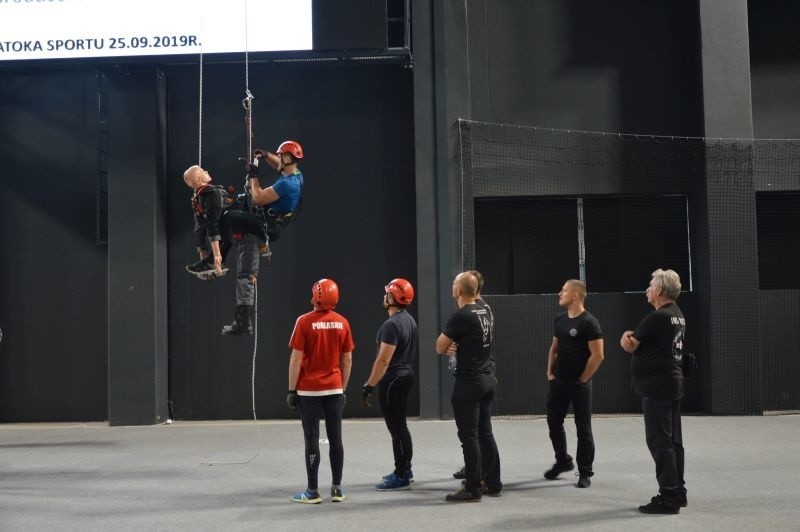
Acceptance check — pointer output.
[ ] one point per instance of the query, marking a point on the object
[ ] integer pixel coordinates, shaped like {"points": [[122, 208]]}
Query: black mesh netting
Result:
{"points": [[539, 207]]}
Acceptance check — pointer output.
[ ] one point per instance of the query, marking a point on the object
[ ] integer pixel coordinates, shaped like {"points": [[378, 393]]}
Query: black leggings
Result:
{"points": [[393, 397], [312, 409]]}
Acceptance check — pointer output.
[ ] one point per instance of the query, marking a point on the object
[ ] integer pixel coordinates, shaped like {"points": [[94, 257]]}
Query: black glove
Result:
{"points": [[260, 154], [291, 399], [252, 170], [366, 394]]}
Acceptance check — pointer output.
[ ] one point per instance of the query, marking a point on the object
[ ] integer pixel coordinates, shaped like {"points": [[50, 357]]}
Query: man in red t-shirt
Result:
{"points": [[319, 368]]}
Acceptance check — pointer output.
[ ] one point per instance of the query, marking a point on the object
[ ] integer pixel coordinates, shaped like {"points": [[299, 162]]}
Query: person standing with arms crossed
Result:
{"points": [[319, 368], [575, 355], [657, 375], [451, 351], [474, 390], [393, 372]]}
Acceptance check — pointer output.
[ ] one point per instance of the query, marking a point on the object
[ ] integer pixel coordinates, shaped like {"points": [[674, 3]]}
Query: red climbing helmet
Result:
{"points": [[401, 290], [325, 294], [292, 148]]}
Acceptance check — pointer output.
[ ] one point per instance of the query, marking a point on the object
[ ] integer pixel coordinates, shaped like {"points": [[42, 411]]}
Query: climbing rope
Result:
{"points": [[200, 116], [252, 391], [248, 106]]}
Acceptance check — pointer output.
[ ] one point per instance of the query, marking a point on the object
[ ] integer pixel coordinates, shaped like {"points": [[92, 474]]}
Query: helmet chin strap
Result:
{"points": [[387, 305], [283, 164]]}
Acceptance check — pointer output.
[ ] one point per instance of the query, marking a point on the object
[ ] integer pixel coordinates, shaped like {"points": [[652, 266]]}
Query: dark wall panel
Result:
{"points": [[137, 284], [780, 336], [349, 24], [52, 273], [357, 224], [775, 68], [625, 66]]}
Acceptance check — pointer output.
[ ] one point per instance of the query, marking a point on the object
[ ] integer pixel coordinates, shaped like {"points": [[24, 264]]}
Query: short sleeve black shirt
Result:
{"points": [[656, 365], [574, 335], [471, 327]]}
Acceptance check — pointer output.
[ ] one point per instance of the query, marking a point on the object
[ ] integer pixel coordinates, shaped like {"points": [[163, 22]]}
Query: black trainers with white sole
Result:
{"points": [[205, 271]]}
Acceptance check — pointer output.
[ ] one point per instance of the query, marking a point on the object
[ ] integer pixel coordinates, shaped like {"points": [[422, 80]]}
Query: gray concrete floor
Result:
{"points": [[742, 474]]}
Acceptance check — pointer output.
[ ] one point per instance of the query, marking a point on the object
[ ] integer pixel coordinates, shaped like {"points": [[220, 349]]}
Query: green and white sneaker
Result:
{"points": [[337, 495]]}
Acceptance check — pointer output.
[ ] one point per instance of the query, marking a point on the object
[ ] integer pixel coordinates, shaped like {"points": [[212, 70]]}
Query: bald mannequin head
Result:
{"points": [[195, 177]]}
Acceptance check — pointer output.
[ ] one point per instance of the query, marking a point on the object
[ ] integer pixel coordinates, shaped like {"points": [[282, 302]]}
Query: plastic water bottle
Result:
{"points": [[451, 363]]}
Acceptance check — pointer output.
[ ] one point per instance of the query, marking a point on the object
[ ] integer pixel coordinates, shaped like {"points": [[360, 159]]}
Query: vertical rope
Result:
{"points": [[255, 349], [246, 50], [200, 116], [200, 104], [252, 389], [249, 96]]}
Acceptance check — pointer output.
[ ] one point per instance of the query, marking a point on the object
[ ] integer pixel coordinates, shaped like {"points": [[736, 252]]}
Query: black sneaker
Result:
{"points": [[460, 474], [558, 468], [584, 480], [680, 499], [659, 505], [205, 271], [463, 495], [199, 266], [493, 491]]}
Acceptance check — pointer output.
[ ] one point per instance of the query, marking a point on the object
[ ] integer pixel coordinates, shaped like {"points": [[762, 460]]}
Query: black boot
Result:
{"points": [[242, 323]]}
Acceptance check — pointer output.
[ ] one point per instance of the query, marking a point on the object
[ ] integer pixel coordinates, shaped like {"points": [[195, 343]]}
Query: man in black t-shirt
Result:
{"points": [[451, 351], [473, 393], [657, 375], [393, 372], [575, 355]]}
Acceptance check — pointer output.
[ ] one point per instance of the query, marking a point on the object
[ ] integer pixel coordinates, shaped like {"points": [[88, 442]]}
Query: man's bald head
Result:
{"points": [[195, 176], [467, 283]]}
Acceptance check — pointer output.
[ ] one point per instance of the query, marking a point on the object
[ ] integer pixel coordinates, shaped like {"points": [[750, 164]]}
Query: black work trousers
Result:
{"points": [[562, 394], [236, 222], [662, 425], [472, 408], [393, 398], [312, 409]]}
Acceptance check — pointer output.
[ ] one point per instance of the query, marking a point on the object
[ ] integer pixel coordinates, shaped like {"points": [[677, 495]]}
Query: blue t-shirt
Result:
{"points": [[400, 330], [289, 188]]}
